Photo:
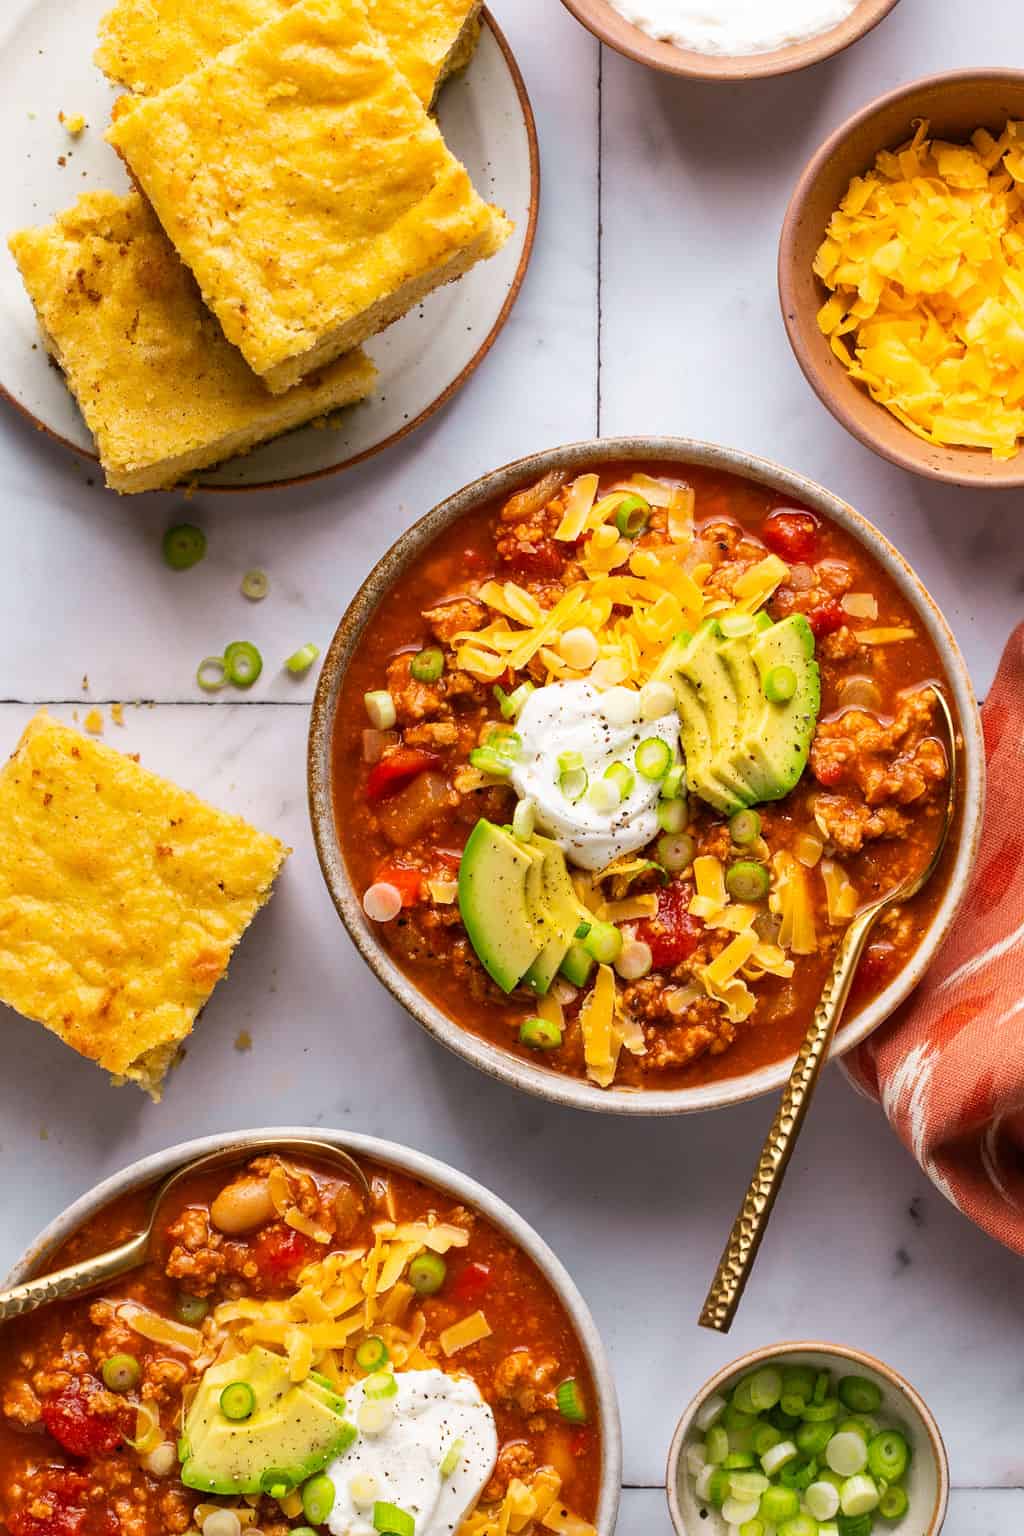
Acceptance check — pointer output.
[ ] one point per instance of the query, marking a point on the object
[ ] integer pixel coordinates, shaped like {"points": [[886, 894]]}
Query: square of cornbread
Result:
{"points": [[302, 181], [149, 45], [122, 898], [161, 390]]}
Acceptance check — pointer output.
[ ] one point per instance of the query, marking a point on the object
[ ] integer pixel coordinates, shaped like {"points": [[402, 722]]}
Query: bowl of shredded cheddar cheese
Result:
{"points": [[901, 276]]}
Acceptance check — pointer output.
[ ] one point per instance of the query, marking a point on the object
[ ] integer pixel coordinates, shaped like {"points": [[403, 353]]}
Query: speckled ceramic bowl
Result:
{"points": [[927, 1482], [150, 1169], [409, 549]]}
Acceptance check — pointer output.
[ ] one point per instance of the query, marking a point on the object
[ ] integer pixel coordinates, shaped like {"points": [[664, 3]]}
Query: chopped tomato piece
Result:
{"points": [[408, 882], [826, 619], [397, 770], [829, 772], [672, 934], [542, 559], [77, 1425], [472, 1282], [279, 1251], [793, 536]]}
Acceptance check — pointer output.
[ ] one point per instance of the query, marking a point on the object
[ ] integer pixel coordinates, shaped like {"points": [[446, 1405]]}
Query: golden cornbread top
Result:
{"points": [[149, 45], [302, 181], [147, 362], [121, 895]]}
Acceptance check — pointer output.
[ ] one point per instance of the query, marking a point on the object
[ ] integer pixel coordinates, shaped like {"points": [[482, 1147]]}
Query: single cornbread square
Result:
{"points": [[161, 390], [302, 181], [149, 45], [122, 898]]}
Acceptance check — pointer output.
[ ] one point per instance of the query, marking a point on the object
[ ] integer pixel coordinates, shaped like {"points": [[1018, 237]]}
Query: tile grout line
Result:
{"points": [[600, 216]]}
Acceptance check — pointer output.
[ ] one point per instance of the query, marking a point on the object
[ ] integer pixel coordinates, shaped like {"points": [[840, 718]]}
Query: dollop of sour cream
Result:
{"points": [[734, 27], [402, 1445], [604, 727]]}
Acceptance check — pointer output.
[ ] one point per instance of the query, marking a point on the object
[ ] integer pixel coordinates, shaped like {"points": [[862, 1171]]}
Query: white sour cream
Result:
{"points": [[401, 1462], [734, 27], [603, 727]]}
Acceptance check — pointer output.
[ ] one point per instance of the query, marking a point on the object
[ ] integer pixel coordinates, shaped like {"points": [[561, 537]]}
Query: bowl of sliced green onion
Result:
{"points": [[807, 1440]]}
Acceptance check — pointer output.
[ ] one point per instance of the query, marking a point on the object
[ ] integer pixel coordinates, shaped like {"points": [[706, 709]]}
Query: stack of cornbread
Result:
{"points": [[293, 197]]}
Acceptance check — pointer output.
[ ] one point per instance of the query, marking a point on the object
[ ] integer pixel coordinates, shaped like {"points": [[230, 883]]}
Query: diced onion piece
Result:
{"points": [[635, 960], [578, 649], [859, 605], [846, 1454], [656, 699], [621, 706], [380, 707], [382, 902], [822, 1499]]}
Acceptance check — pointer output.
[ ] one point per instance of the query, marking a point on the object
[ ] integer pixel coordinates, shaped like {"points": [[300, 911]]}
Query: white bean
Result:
{"points": [[242, 1207]]}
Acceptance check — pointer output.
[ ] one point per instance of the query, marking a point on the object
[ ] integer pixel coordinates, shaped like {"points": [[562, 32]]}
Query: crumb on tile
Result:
{"points": [[75, 124], [243, 1040], [117, 713], [44, 1134], [93, 723]]}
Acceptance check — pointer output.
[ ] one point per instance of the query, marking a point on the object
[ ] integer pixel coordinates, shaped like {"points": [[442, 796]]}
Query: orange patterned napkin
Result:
{"points": [[948, 1067]]}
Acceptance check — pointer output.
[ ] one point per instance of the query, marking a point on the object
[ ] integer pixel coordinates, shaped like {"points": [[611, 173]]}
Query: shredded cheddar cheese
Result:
{"points": [[467, 1331]]}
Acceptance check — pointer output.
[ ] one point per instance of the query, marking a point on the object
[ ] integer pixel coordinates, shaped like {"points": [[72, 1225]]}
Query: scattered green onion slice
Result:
{"points": [[862, 1526], [371, 1354], [623, 777], [255, 585], [184, 546], [392, 1521], [735, 624], [792, 1404], [242, 663], [672, 815], [846, 1454], [778, 1504], [673, 785], [524, 819], [570, 1402], [452, 1457], [573, 783], [427, 1274], [766, 1388], [121, 1373], [577, 965], [507, 743], [798, 1381], [540, 1034], [582, 930], [380, 708], [511, 703], [764, 1436], [780, 685], [653, 758], [745, 828], [859, 1394], [183, 1449], [237, 1401], [888, 1455], [490, 761], [318, 1497], [603, 942], [211, 674], [428, 665], [380, 1385], [569, 762], [675, 851], [302, 659], [821, 1413], [893, 1504], [811, 1439], [632, 515], [191, 1309], [746, 881]]}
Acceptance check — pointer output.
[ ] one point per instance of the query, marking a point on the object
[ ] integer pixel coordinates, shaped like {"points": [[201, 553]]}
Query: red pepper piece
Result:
{"points": [[672, 933], [408, 882], [279, 1251], [472, 1282], [793, 536], [397, 770]]}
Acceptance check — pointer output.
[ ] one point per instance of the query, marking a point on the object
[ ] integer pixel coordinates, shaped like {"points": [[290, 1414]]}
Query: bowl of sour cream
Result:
{"points": [[729, 39]]}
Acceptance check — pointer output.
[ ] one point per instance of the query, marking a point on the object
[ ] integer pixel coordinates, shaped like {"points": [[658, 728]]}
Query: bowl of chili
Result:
{"points": [[421, 730], [103, 1383]]}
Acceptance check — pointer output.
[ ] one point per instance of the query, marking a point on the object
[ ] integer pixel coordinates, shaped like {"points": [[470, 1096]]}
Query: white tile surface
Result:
{"points": [[861, 1250]]}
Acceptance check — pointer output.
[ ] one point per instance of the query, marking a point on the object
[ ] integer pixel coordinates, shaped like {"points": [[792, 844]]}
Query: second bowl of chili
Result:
{"points": [[538, 665]]}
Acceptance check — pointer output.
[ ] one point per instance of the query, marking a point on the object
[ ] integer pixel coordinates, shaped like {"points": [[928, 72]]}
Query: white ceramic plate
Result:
{"points": [[47, 48]]}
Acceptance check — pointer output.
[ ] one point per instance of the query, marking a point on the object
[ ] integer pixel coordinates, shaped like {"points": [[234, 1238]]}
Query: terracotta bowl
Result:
{"points": [[410, 549], [956, 104], [150, 1169], [599, 17], [927, 1482]]}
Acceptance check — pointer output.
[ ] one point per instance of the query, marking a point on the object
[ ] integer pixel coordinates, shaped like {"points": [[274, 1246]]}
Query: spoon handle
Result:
{"points": [[73, 1281], [740, 1251]]}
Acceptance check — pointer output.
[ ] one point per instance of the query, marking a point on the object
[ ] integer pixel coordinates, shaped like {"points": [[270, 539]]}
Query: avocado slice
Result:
{"points": [[294, 1430], [773, 750], [501, 902], [708, 715], [562, 913]]}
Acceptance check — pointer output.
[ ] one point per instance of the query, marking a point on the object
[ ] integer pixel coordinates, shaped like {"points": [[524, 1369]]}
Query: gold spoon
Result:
{"points": [[740, 1251], [91, 1273]]}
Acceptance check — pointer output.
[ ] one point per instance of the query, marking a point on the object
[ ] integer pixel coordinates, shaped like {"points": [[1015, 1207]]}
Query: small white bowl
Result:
{"points": [[927, 1482]]}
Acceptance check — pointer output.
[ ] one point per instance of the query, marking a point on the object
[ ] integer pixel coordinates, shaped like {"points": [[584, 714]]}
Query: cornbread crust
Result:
{"points": [[122, 898], [149, 45], [161, 390], [303, 183]]}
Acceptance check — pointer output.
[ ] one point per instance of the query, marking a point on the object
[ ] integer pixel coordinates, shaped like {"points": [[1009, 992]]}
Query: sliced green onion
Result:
{"points": [[888, 1455], [738, 1461], [822, 1382], [427, 1274], [859, 1496], [302, 659], [764, 1437], [428, 665], [798, 1381], [371, 1354], [255, 585], [603, 796], [380, 1385], [121, 1373], [184, 1451], [716, 1445], [752, 1528], [571, 1405], [747, 881], [653, 758], [811, 1439], [846, 1454], [569, 762], [893, 1504], [623, 777], [507, 743], [635, 960], [718, 1487], [490, 761], [392, 1521], [540, 1034], [748, 1485], [778, 1504], [742, 1399], [778, 1457], [318, 1497], [735, 624], [184, 546], [745, 828], [821, 1413], [632, 515], [191, 1309], [859, 1394], [822, 1500], [582, 930], [452, 1457], [524, 819], [242, 663], [511, 703], [675, 851], [780, 685], [577, 965], [800, 1525], [859, 1424], [380, 707], [238, 1401], [672, 815], [673, 785], [573, 784], [766, 1388], [603, 942], [863, 1525], [792, 1404], [211, 674]]}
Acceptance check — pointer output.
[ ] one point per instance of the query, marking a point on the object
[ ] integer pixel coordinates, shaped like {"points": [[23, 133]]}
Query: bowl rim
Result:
{"points": [[421, 1166], [767, 1352], [605, 23], [494, 1060], [911, 458]]}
